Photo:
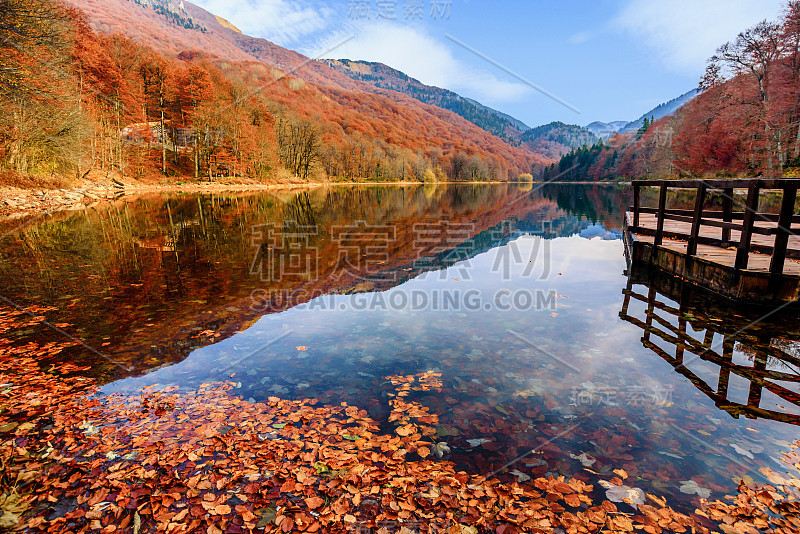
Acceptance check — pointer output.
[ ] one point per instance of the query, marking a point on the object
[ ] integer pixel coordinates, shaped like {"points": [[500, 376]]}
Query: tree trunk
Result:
{"points": [[163, 143]]}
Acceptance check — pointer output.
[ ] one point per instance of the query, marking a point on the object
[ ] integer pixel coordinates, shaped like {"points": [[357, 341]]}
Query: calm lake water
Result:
{"points": [[554, 358]]}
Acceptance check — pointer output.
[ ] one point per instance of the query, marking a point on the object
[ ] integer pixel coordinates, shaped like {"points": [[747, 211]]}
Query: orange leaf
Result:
{"points": [[287, 524], [180, 515], [222, 509], [561, 487], [405, 430], [314, 502]]}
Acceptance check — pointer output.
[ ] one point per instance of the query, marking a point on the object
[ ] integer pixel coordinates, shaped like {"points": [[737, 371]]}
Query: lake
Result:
{"points": [[555, 359]]}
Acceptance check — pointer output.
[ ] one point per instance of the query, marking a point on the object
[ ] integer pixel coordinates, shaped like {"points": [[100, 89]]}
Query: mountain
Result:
{"points": [[557, 139], [605, 129], [513, 121], [361, 131], [385, 77], [550, 141], [659, 111]]}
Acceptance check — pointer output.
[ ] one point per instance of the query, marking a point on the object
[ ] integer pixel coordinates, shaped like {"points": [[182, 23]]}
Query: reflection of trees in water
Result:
{"points": [[191, 234], [767, 348], [183, 262], [598, 203], [300, 211]]}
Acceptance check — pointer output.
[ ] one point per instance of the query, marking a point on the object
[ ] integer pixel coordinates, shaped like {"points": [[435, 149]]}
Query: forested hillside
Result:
{"points": [[556, 139], [147, 105], [550, 141], [385, 77], [745, 121]]}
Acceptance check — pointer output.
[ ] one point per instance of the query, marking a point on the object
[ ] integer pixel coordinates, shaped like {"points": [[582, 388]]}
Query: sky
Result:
{"points": [[573, 61]]}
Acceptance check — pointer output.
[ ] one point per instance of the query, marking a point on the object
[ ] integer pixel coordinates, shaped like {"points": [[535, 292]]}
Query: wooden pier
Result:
{"points": [[740, 253]]}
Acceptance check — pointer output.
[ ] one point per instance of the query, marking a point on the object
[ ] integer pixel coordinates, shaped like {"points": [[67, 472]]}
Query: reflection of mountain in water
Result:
{"points": [[693, 331], [598, 231], [597, 203], [157, 277], [532, 224]]}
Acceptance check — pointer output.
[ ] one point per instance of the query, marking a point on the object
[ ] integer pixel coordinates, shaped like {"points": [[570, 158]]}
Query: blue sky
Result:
{"points": [[607, 59]]}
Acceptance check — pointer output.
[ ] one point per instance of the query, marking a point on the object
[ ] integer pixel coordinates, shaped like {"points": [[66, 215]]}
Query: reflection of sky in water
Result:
{"points": [[585, 276], [517, 377]]}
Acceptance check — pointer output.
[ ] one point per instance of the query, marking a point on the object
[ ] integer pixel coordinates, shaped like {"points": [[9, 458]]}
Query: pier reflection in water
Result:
{"points": [[727, 353]]}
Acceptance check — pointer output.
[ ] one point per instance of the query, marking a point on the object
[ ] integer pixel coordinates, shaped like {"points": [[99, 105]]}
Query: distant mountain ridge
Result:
{"points": [[172, 11], [385, 77], [516, 122], [606, 129], [551, 140], [662, 110]]}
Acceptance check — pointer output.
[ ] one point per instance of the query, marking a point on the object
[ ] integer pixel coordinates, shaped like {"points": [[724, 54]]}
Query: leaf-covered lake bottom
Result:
{"points": [[477, 330]]}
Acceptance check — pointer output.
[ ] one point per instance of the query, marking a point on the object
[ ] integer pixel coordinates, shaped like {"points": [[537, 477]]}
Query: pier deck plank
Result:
{"points": [[722, 256]]}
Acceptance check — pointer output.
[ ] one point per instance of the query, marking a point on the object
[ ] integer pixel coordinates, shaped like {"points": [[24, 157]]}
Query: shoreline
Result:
{"points": [[18, 202]]}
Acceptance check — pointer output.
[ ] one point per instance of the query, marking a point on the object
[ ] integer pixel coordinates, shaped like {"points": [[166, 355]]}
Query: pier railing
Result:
{"points": [[747, 222]]}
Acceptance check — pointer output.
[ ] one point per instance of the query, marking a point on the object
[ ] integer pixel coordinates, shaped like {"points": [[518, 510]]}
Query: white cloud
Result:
{"points": [[292, 23], [281, 21], [581, 37], [683, 34], [421, 56]]}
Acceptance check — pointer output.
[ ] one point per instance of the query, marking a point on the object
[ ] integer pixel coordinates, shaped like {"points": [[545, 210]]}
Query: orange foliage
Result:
{"points": [[207, 461]]}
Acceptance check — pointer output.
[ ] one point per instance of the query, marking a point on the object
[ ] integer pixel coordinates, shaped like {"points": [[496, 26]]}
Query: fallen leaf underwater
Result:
{"points": [[207, 461]]}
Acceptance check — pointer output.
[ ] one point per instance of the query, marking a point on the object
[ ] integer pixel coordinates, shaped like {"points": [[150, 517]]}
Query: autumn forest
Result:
{"points": [[115, 106]]}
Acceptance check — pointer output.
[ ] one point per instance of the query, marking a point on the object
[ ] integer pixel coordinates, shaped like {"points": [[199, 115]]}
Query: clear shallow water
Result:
{"points": [[513, 295]]}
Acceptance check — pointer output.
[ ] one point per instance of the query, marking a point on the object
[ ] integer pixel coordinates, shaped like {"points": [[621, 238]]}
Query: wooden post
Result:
{"points": [[662, 206], [708, 340], [751, 209], [727, 214], [784, 229], [636, 205], [626, 303], [725, 370], [754, 396], [651, 311], [680, 347], [697, 220]]}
